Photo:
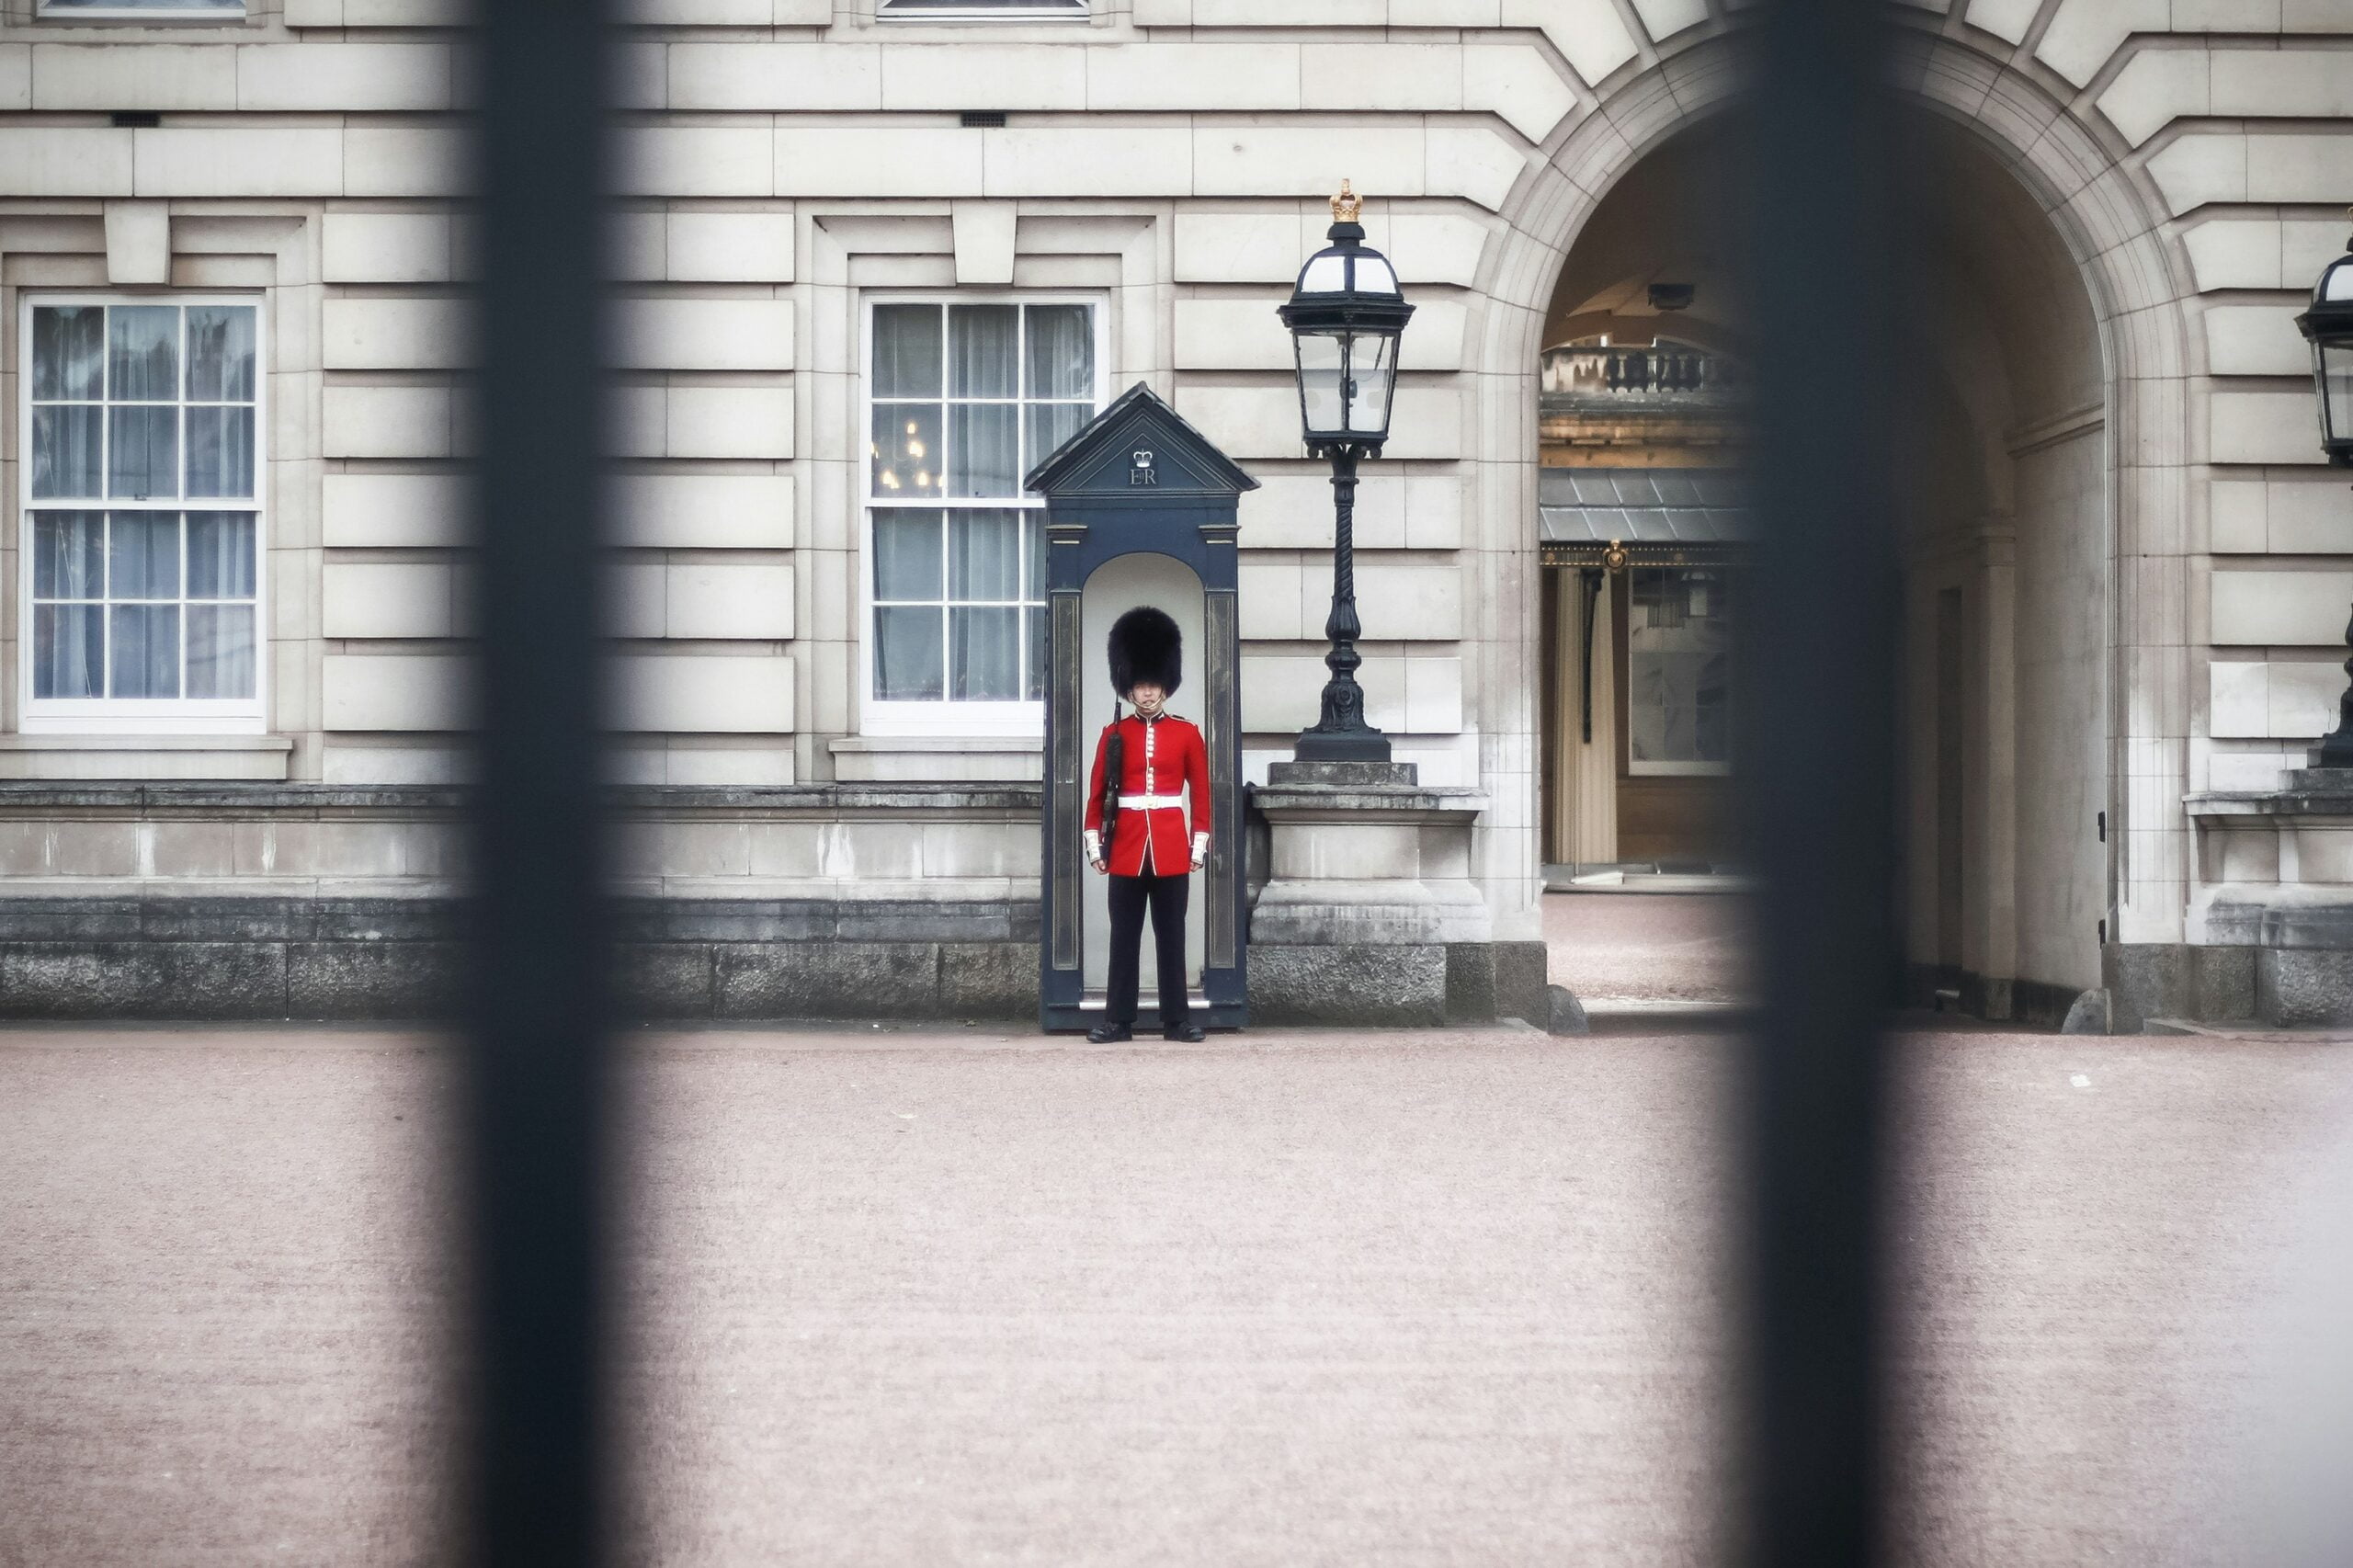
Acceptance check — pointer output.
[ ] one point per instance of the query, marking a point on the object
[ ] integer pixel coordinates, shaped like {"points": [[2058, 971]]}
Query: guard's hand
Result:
{"points": [[1099, 865], [1200, 861]]}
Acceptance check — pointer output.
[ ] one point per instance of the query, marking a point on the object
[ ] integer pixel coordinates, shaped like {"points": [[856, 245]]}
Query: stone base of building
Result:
{"points": [[1398, 985], [2282, 986], [747, 960], [401, 959], [2270, 913]]}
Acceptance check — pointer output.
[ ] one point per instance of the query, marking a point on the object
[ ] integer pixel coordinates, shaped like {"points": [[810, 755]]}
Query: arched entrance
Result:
{"points": [[2015, 510]]}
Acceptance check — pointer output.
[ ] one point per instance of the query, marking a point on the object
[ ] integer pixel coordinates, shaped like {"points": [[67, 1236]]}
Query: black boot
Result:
{"points": [[1189, 1032], [1109, 1034]]}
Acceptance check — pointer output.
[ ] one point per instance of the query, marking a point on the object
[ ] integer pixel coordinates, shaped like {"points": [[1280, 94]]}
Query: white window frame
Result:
{"points": [[132, 11], [142, 715], [1023, 719], [1641, 767]]}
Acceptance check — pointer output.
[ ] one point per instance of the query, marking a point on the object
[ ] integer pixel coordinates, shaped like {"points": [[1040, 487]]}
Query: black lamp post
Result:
{"points": [[1344, 317], [2328, 327]]}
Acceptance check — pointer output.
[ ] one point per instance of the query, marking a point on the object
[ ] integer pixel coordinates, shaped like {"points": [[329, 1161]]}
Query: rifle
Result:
{"points": [[1115, 757]]}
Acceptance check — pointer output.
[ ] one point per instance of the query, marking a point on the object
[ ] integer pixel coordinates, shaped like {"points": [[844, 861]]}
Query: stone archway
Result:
{"points": [[2101, 227]]}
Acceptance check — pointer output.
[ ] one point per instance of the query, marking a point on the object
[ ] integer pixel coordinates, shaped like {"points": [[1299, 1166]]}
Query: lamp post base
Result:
{"points": [[1343, 775], [1366, 744]]}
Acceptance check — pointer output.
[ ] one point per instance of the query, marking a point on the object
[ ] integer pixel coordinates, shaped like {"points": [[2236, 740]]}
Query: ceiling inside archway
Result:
{"points": [[1999, 307]]}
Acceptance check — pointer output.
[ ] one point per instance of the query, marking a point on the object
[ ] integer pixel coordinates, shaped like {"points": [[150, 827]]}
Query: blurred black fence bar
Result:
{"points": [[1818, 764], [537, 1480]]}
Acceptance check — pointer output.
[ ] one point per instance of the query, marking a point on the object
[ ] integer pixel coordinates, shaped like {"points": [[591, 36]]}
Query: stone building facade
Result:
{"points": [[231, 753]]}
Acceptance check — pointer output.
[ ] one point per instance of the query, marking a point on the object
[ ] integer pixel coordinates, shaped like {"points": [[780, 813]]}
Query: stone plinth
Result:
{"points": [[2275, 893], [259, 900], [1369, 913]]}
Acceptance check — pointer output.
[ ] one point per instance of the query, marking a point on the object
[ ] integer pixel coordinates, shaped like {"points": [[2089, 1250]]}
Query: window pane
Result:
{"points": [[982, 455], [1035, 616], [907, 654], [143, 452], [985, 555], [980, 350], [219, 650], [69, 344], [1325, 274], [906, 555], [220, 353], [69, 651], [1711, 719], [220, 451], [2334, 364], [906, 351], [1061, 352], [986, 645], [1369, 364], [143, 556], [1052, 423], [220, 555], [1036, 585], [1650, 717], [1677, 671], [144, 656], [144, 353], [1320, 375], [66, 450], [906, 448], [68, 555]]}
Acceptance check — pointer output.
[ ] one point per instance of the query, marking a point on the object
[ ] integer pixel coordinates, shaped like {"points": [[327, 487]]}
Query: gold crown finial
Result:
{"points": [[1347, 205]]}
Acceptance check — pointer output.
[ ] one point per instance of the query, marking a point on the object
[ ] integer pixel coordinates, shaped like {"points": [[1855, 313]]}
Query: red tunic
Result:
{"points": [[1160, 758]]}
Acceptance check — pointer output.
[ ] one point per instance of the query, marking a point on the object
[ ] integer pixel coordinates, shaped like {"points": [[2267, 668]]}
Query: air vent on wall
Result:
{"points": [[136, 119], [982, 118]]}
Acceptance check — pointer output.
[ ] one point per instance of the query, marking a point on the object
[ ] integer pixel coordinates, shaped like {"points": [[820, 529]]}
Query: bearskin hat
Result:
{"points": [[1146, 646]]}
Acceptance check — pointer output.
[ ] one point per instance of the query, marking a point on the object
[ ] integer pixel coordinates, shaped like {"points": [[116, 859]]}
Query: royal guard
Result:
{"points": [[1137, 826]]}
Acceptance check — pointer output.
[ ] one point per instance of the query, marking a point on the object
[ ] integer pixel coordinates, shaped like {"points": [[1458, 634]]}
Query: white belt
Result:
{"points": [[1149, 803]]}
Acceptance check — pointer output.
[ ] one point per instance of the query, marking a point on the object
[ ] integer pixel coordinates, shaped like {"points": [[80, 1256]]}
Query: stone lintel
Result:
{"points": [[31, 797]]}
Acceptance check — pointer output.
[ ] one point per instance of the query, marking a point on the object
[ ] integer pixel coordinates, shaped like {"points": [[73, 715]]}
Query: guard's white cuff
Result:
{"points": [[1094, 844], [1200, 844]]}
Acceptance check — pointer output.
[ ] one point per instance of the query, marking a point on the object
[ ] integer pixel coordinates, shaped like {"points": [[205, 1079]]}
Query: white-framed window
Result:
{"points": [[963, 396], [964, 10], [1678, 671], [141, 503], [167, 10]]}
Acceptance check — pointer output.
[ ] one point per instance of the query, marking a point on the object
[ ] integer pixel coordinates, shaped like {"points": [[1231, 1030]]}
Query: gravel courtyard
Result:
{"points": [[1299, 1297]]}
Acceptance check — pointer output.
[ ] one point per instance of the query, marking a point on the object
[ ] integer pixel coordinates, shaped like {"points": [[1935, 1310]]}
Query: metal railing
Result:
{"points": [[538, 1478], [1817, 656], [1665, 371]]}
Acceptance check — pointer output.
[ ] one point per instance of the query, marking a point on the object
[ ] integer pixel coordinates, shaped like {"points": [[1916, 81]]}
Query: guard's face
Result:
{"points": [[1147, 697]]}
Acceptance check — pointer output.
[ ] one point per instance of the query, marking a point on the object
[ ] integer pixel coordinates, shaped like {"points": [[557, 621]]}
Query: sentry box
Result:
{"points": [[1140, 509]]}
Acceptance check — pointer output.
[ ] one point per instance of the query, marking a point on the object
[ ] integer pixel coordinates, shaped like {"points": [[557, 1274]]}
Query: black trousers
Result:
{"points": [[1167, 896]]}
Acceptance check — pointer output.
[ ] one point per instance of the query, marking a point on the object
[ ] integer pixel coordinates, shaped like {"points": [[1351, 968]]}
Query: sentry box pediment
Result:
{"points": [[1140, 509], [1142, 452]]}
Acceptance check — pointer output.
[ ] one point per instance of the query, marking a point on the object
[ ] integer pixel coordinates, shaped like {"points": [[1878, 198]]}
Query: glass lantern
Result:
{"points": [[2328, 327], [1345, 316]]}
